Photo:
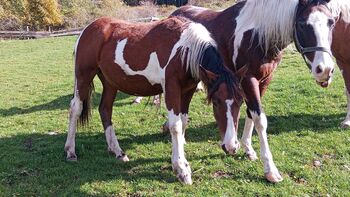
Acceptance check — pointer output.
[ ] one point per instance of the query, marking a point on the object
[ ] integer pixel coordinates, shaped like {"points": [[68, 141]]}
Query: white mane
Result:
{"points": [[193, 41], [340, 7], [272, 19]]}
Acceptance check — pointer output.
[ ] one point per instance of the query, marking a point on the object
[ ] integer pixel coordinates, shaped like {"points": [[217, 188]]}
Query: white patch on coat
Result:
{"points": [[319, 22], [272, 21], [193, 40], [153, 71], [197, 9], [239, 33]]}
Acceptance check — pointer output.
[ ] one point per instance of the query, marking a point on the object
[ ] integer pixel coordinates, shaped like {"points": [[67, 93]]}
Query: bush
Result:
{"points": [[42, 13], [10, 23]]}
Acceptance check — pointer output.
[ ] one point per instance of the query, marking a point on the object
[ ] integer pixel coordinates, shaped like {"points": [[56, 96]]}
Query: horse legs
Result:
{"points": [[76, 107], [346, 75], [82, 90], [137, 100], [260, 121], [249, 125], [247, 138], [173, 103], [105, 109], [185, 103]]}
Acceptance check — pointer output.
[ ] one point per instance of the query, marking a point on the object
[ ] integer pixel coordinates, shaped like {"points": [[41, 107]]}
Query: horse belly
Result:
{"points": [[138, 86]]}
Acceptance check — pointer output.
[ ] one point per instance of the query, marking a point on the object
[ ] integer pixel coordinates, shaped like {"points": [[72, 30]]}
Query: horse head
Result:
{"points": [[313, 36]]}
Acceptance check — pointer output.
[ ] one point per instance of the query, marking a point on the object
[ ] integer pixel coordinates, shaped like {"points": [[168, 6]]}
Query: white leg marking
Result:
{"points": [[138, 100], [156, 100], [76, 107], [247, 139], [346, 122], [270, 169], [230, 140], [184, 120], [180, 165], [113, 144]]}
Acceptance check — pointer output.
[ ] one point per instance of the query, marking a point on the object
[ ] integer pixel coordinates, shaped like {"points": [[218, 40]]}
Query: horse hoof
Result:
{"points": [[136, 102], [123, 158], [345, 124], [156, 102], [185, 179], [71, 157], [252, 156], [273, 177], [230, 150]]}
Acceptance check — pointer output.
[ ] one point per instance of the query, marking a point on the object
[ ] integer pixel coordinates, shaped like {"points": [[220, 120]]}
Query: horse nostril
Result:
{"points": [[319, 69]]}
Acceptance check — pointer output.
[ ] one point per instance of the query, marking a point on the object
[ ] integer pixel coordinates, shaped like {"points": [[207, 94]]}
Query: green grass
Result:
{"points": [[36, 78]]}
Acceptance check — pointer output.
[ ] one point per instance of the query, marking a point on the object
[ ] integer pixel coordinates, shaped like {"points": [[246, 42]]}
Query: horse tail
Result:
{"points": [[87, 105], [85, 71]]}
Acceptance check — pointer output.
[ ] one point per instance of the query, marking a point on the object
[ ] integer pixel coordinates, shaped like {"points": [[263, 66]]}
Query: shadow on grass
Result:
{"points": [[36, 163], [59, 103], [276, 125]]}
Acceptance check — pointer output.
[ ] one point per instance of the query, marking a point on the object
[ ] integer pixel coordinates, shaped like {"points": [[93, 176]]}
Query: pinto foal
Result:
{"points": [[169, 56]]}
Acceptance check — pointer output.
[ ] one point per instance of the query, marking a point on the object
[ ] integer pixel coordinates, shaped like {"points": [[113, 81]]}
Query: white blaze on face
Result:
{"points": [[230, 134], [319, 22]]}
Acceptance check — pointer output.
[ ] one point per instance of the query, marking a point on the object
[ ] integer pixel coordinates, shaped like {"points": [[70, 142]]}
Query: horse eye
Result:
{"points": [[330, 22]]}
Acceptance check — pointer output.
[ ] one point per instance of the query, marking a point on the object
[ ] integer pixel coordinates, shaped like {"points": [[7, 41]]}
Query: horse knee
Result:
{"points": [[175, 128], [260, 121]]}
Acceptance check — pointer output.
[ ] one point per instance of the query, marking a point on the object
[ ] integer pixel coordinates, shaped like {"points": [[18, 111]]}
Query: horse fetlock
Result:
{"points": [[252, 155], [271, 173], [273, 177], [71, 156], [249, 151], [165, 128]]}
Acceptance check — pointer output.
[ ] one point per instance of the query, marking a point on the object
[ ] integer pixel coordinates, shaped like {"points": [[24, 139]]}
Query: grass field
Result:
{"points": [[36, 86]]}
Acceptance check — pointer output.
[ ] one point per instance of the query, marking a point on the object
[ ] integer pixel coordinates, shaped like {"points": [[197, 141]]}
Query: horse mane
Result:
{"points": [[340, 7], [272, 21], [195, 43], [194, 40]]}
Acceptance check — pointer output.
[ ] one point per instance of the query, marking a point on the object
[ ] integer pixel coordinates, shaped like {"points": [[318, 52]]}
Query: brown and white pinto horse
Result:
{"points": [[340, 45], [169, 56], [251, 36]]}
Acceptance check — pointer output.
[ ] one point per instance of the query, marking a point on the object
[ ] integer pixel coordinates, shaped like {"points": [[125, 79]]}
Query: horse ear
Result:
{"points": [[208, 74]]}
